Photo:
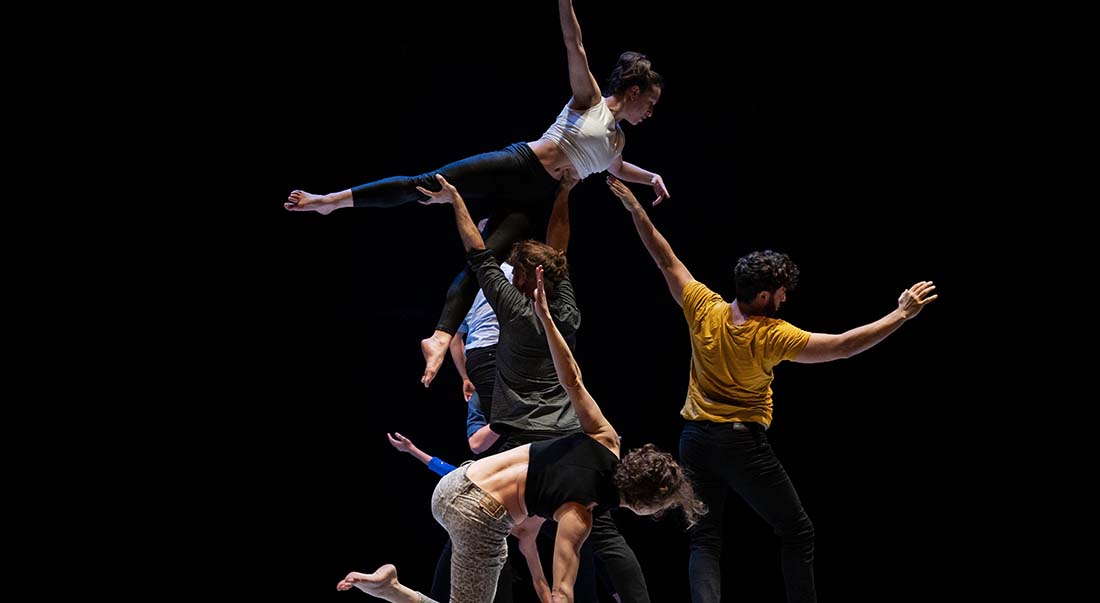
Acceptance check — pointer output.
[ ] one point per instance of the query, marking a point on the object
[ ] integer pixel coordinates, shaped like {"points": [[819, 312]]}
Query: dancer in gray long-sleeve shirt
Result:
{"points": [[529, 403], [527, 397]]}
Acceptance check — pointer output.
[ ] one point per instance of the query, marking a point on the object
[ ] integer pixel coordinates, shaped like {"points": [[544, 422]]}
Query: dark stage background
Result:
{"points": [[837, 143]]}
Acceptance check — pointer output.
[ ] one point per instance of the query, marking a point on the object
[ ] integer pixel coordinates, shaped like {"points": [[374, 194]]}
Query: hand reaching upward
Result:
{"points": [[542, 307], [569, 179], [620, 190]]}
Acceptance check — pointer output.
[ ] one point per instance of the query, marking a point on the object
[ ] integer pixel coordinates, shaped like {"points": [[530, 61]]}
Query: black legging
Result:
{"points": [[511, 185]]}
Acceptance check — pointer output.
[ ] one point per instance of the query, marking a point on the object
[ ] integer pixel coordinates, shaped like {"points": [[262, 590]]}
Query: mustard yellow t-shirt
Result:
{"points": [[731, 366]]}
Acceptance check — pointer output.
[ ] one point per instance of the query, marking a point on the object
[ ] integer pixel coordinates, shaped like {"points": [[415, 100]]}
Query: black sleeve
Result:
{"points": [[502, 295], [564, 301]]}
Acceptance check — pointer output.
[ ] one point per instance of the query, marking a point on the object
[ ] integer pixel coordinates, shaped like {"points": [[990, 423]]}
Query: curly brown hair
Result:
{"points": [[648, 477], [530, 254], [764, 271]]}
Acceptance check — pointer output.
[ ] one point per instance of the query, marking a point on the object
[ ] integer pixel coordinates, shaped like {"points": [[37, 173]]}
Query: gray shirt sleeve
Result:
{"points": [[503, 297], [564, 309]]}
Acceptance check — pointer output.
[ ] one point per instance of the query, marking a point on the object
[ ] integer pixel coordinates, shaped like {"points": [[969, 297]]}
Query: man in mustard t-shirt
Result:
{"points": [[734, 347]]}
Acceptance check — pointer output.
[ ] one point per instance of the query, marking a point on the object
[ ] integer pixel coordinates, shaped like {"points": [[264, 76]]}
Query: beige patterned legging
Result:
{"points": [[479, 527]]}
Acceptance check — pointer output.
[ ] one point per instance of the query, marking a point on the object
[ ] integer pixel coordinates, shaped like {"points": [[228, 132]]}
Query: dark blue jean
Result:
{"points": [[737, 456], [510, 186]]}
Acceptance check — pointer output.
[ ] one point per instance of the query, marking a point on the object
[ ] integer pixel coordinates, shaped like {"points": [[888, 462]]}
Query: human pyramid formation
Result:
{"points": [[543, 449]]}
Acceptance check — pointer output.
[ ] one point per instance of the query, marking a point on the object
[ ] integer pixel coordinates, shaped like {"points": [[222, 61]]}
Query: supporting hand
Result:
{"points": [[446, 194], [569, 179]]}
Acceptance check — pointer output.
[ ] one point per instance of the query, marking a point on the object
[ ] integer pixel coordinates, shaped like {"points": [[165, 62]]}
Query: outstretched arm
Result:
{"points": [[502, 296], [569, 374], [404, 444], [586, 92], [823, 348], [467, 230], [574, 524], [674, 271], [557, 231], [631, 173]]}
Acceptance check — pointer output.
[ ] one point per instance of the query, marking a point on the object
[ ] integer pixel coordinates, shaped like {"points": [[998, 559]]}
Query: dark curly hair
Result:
{"points": [[530, 254], [648, 477], [633, 69], [764, 271]]}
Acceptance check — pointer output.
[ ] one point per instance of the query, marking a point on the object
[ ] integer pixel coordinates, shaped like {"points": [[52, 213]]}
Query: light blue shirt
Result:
{"points": [[480, 325]]}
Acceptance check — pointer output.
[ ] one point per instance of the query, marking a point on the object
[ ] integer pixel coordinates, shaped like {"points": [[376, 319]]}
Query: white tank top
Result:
{"points": [[590, 139]]}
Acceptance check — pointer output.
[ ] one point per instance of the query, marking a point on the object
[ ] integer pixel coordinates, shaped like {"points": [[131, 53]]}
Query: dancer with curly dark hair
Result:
{"points": [[569, 479], [515, 185], [528, 403], [734, 347]]}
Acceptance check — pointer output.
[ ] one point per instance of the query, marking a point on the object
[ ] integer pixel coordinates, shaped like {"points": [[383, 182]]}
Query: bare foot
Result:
{"points": [[434, 349], [322, 204], [382, 583]]}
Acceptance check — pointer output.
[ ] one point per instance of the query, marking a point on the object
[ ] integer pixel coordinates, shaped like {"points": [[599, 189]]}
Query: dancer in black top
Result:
{"points": [[515, 491]]}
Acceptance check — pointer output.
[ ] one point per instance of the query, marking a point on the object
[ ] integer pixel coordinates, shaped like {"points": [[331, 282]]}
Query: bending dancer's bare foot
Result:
{"points": [[322, 204], [382, 584], [434, 349]]}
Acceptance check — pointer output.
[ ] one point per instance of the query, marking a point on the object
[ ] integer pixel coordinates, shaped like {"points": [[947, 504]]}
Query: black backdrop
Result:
{"points": [[808, 133]]}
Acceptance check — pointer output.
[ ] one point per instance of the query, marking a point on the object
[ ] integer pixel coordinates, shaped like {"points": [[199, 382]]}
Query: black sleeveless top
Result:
{"points": [[572, 468]]}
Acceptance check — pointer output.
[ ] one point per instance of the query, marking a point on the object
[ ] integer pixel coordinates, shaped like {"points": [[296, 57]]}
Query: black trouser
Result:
{"points": [[604, 541], [481, 367], [618, 559], [509, 185], [720, 456]]}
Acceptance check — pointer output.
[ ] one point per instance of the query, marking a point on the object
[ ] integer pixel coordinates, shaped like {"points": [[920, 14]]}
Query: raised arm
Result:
{"points": [[502, 296], [629, 172], [674, 271], [569, 374], [574, 524], [823, 347], [467, 230], [557, 231], [586, 92]]}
